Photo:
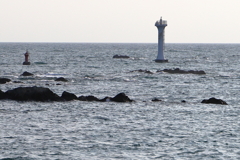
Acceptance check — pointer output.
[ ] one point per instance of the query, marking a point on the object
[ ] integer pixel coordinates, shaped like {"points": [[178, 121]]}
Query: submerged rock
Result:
{"points": [[120, 56], [4, 80], [17, 82], [143, 71], [214, 101], [32, 94], [27, 74], [156, 100], [179, 71], [61, 79]]}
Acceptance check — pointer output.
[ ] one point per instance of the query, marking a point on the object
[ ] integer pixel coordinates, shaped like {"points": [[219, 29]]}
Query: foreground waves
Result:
{"points": [[142, 129]]}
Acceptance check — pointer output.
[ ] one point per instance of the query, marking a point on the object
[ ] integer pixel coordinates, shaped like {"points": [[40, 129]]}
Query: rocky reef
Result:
{"points": [[142, 71], [172, 71], [179, 71], [214, 101], [43, 94]]}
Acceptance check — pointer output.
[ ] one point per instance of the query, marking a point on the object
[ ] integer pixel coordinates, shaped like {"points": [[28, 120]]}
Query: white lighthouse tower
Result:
{"points": [[160, 26]]}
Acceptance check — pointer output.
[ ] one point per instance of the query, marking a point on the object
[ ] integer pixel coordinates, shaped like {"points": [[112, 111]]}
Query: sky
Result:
{"points": [[119, 21]]}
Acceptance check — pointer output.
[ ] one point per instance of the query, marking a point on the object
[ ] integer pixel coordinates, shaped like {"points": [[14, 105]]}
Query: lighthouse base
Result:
{"points": [[161, 60], [26, 63]]}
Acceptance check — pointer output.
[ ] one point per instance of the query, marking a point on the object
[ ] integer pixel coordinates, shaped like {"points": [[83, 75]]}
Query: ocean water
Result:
{"points": [[143, 129]]}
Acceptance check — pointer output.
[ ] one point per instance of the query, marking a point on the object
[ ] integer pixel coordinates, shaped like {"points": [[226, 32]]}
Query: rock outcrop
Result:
{"points": [[121, 97], [4, 80], [45, 94], [27, 74], [2, 95], [68, 96], [88, 98], [61, 79], [214, 101], [32, 94]]}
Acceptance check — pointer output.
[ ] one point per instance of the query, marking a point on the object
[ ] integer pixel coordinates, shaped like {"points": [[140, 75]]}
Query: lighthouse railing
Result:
{"points": [[161, 22]]}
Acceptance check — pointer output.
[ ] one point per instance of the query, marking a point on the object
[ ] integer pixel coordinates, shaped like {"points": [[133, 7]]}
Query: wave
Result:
{"points": [[101, 118], [17, 158], [40, 63]]}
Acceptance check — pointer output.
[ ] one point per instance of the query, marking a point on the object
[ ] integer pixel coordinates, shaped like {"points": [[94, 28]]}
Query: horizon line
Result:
{"points": [[137, 42]]}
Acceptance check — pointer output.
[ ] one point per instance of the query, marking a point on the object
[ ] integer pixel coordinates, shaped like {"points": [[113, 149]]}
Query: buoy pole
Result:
{"points": [[26, 58], [161, 24]]}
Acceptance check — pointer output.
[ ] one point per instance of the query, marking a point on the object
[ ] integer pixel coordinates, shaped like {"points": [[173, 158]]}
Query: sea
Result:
{"points": [[179, 127]]}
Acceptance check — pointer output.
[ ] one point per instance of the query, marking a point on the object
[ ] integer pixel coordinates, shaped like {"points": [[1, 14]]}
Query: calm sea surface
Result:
{"points": [[143, 129]]}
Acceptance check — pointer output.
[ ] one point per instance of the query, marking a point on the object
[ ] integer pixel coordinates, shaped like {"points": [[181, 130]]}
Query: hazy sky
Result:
{"points": [[124, 21]]}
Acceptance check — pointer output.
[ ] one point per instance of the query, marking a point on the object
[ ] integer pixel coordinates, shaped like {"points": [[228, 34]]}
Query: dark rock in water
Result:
{"points": [[183, 101], [121, 97], [40, 63], [196, 72], [32, 94], [27, 74], [143, 71], [156, 100], [88, 98], [82, 98], [177, 70], [214, 101], [4, 80], [2, 95], [61, 79], [68, 96], [45, 94], [120, 56], [17, 82]]}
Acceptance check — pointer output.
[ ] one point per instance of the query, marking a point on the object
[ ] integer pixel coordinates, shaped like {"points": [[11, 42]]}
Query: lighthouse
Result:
{"points": [[26, 58], [161, 24]]}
